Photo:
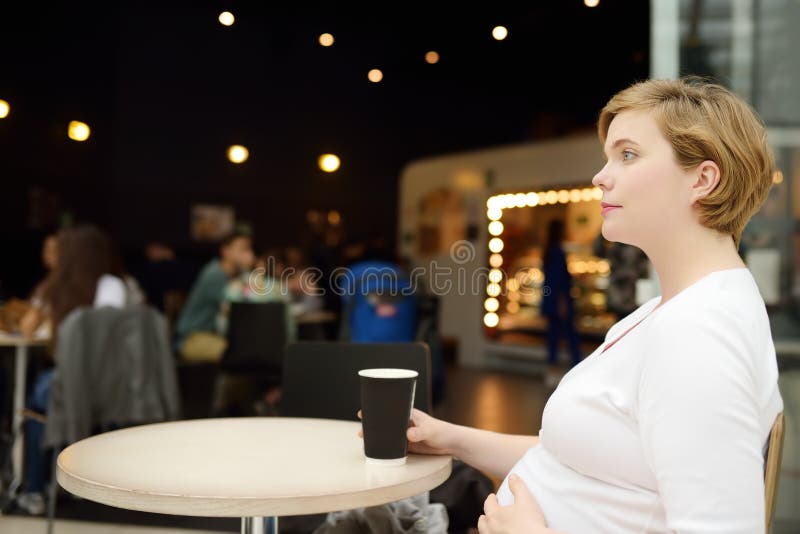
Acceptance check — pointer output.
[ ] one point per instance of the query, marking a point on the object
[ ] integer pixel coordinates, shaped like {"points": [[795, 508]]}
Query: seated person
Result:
{"points": [[35, 314], [262, 284], [49, 260], [305, 295], [81, 278], [662, 428], [378, 300], [197, 338]]}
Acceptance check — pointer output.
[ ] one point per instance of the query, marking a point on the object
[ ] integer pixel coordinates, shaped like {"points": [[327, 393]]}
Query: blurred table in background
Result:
{"points": [[21, 345], [318, 325]]}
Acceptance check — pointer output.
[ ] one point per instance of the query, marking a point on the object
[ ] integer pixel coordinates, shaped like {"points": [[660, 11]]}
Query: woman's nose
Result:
{"points": [[601, 179]]}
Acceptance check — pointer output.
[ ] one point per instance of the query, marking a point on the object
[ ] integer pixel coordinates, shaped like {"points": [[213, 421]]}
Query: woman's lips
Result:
{"points": [[605, 207]]}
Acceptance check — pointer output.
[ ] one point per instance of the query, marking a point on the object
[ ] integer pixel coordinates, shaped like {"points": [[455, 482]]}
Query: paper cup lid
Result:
{"points": [[388, 373]]}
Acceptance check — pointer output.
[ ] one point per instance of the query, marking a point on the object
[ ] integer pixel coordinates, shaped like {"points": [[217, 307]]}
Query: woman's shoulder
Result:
{"points": [[633, 317], [724, 308], [730, 294]]}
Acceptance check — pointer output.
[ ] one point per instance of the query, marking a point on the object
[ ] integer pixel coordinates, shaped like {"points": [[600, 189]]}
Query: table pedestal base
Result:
{"points": [[259, 525]]}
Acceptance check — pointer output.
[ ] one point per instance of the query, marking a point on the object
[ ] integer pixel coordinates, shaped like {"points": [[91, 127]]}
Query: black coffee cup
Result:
{"points": [[387, 397]]}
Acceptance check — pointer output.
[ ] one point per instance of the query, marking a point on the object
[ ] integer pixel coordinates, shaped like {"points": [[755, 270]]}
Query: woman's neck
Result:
{"points": [[681, 262]]}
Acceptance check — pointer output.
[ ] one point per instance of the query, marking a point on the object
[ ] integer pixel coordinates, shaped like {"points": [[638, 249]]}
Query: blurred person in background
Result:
{"points": [[557, 302], [262, 284], [82, 277], [49, 261], [28, 313], [378, 300], [305, 293], [265, 283], [197, 338], [628, 264]]}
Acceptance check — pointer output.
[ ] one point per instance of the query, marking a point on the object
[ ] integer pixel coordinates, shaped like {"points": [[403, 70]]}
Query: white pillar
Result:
{"points": [[664, 38]]}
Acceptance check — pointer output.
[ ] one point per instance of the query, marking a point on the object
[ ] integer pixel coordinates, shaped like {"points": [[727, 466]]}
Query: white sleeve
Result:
{"points": [[699, 424], [110, 292]]}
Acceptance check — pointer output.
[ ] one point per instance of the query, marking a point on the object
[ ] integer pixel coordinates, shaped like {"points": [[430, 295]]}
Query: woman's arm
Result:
{"points": [[491, 452], [32, 320], [699, 420]]}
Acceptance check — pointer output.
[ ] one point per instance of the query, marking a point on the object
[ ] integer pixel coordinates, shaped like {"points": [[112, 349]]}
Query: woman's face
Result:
{"points": [[646, 194]]}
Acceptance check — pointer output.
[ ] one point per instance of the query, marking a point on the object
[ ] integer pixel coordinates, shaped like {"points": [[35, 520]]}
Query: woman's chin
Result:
{"points": [[608, 233], [615, 236]]}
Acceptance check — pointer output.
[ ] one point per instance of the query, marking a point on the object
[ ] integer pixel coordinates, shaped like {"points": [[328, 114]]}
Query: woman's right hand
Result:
{"points": [[426, 434]]}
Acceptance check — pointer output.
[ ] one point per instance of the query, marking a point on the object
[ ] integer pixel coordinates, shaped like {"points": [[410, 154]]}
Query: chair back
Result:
{"points": [[114, 367], [257, 335], [773, 467], [320, 379]]}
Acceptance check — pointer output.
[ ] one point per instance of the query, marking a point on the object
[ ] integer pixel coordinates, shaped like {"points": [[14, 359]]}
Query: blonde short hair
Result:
{"points": [[705, 121]]}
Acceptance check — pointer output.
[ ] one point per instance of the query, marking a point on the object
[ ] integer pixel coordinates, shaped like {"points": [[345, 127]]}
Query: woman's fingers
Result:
{"points": [[490, 504], [483, 528], [418, 416], [415, 434]]}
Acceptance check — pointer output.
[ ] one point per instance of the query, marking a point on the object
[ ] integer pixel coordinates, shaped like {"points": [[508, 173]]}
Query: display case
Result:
{"points": [[517, 224]]}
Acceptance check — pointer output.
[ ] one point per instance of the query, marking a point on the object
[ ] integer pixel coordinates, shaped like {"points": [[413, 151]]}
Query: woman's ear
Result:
{"points": [[707, 176]]}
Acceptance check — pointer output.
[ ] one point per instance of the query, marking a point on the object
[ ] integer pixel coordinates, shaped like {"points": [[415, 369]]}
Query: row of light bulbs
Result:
{"points": [[494, 212], [76, 130], [80, 131], [326, 162], [497, 203], [499, 33]]}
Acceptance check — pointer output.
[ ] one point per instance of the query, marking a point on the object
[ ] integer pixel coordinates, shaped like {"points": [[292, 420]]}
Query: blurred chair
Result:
{"points": [[320, 379], [114, 369], [428, 332], [772, 469], [256, 344]]}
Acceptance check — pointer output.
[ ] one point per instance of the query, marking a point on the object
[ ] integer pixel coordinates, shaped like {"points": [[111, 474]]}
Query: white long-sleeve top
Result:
{"points": [[665, 430]]}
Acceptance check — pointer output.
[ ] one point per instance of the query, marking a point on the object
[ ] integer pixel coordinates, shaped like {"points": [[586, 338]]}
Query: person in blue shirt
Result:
{"points": [[378, 301]]}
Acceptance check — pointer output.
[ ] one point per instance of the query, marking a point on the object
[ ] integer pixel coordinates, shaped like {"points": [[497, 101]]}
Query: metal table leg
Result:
{"points": [[21, 366], [259, 525]]}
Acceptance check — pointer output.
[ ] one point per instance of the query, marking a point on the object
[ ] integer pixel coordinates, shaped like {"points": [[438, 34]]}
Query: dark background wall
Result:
{"points": [[166, 88]]}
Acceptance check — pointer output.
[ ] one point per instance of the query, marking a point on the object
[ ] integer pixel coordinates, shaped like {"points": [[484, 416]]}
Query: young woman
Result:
{"points": [[663, 427]]}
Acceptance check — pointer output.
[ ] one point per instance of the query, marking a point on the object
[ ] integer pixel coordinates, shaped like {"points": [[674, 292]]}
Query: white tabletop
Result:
{"points": [[14, 340], [242, 467]]}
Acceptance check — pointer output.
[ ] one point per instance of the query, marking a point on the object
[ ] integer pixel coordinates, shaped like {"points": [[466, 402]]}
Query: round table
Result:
{"points": [[251, 468]]}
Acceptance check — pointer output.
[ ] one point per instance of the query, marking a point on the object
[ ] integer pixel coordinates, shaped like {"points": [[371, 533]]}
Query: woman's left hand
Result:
{"points": [[522, 517]]}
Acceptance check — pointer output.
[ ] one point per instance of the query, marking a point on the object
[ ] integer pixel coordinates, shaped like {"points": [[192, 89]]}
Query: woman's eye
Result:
{"points": [[627, 155]]}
